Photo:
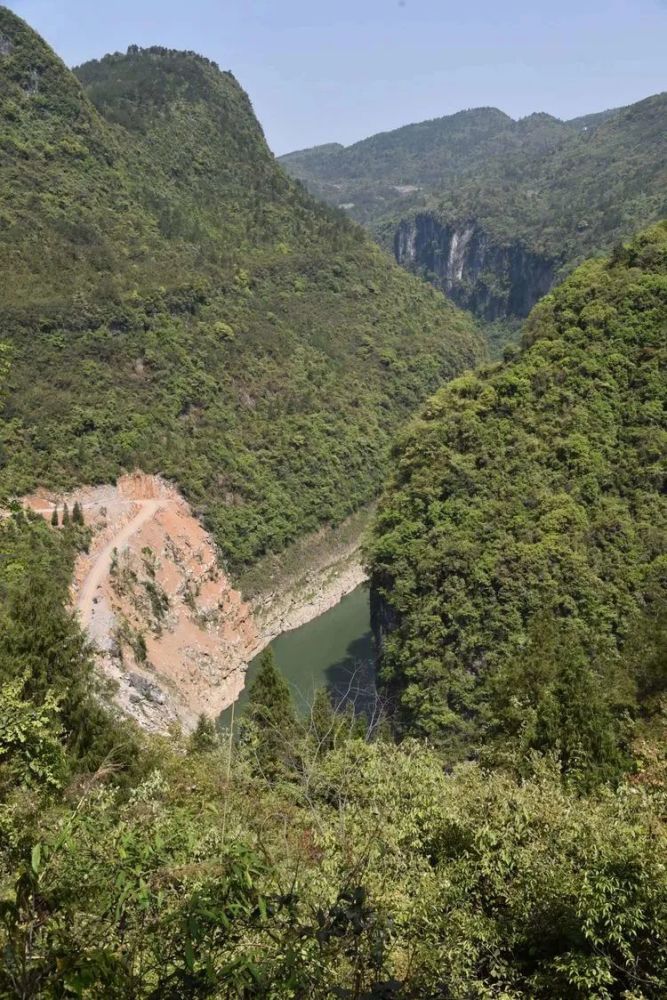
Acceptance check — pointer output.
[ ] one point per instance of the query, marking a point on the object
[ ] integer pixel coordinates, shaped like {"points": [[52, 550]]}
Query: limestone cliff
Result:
{"points": [[494, 279]]}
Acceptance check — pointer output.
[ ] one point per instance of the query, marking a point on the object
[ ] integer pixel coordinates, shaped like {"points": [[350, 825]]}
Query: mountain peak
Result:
{"points": [[146, 80]]}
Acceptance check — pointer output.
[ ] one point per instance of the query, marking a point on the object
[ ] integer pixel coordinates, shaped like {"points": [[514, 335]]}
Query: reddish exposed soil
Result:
{"points": [[166, 622]]}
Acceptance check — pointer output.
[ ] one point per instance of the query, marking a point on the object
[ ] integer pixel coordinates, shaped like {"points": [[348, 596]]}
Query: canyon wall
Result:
{"points": [[493, 279]]}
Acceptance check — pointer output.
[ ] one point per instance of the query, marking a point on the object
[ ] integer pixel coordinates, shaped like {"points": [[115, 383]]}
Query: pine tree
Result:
{"points": [[551, 698], [269, 700], [204, 739], [66, 518], [54, 516], [77, 514], [270, 716]]}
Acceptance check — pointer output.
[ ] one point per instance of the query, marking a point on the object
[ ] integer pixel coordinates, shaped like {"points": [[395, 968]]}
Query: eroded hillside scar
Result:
{"points": [[100, 568]]}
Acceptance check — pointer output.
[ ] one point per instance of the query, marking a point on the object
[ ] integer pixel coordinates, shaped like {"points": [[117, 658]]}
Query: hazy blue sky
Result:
{"points": [[320, 71]]}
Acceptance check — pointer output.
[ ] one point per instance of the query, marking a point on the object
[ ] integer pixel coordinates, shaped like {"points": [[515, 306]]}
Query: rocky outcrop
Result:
{"points": [[493, 279]]}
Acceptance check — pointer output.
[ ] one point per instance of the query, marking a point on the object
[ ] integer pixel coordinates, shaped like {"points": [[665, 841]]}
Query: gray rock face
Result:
{"points": [[146, 689], [493, 279]]}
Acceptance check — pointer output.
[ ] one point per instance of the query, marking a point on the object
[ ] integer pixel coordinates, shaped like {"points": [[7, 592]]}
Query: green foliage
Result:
{"points": [[531, 491], [372, 874], [31, 745], [205, 737], [269, 724], [43, 653], [207, 319], [339, 866], [551, 698]]}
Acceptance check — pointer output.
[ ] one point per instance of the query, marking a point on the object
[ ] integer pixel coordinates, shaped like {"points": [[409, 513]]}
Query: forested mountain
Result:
{"points": [[174, 302], [492, 210], [521, 539]]}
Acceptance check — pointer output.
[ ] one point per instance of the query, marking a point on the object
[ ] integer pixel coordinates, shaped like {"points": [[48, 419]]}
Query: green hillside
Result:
{"points": [[524, 524], [174, 302], [494, 211]]}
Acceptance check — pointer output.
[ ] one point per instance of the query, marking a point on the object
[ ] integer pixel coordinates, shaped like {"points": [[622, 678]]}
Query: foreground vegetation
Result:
{"points": [[207, 320], [300, 859]]}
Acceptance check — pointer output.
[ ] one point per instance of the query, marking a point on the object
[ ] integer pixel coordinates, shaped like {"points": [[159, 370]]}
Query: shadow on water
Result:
{"points": [[351, 680], [335, 650]]}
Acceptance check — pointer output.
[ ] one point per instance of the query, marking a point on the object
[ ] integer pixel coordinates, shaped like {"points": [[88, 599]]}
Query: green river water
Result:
{"points": [[335, 650]]}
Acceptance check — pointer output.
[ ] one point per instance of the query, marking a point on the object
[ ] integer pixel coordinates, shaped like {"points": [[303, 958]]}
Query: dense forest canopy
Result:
{"points": [[530, 495], [206, 318]]}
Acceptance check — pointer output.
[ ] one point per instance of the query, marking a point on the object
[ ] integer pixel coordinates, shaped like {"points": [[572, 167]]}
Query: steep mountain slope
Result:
{"points": [[175, 303], [67, 217], [529, 497], [494, 211]]}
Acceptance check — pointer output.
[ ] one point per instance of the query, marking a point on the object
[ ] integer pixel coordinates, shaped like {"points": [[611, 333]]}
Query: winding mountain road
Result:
{"points": [[102, 564]]}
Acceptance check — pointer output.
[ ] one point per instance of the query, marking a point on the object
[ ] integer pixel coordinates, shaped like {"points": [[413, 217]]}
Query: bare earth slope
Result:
{"points": [[169, 627]]}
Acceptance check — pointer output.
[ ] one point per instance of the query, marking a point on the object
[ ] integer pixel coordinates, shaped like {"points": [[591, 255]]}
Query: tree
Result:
{"points": [[204, 739], [77, 514], [66, 518], [552, 699], [54, 516], [270, 724]]}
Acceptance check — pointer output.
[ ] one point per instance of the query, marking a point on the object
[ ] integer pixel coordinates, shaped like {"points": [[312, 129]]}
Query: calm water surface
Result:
{"points": [[334, 650]]}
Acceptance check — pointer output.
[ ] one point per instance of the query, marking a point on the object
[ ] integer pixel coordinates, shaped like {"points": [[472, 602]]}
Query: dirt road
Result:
{"points": [[102, 565]]}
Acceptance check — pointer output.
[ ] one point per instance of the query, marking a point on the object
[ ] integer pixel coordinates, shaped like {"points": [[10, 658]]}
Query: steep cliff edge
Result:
{"points": [[493, 279]]}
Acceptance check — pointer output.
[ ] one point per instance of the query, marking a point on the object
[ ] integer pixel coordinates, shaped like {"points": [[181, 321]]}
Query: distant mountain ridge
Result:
{"points": [[493, 210]]}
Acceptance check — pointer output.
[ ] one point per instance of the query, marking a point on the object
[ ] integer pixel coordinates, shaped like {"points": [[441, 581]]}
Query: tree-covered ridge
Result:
{"points": [[601, 183], [508, 175], [422, 153], [174, 302], [527, 500]]}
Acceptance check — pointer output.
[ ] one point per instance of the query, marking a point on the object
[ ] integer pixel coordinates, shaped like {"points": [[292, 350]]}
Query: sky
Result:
{"points": [[323, 71]]}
